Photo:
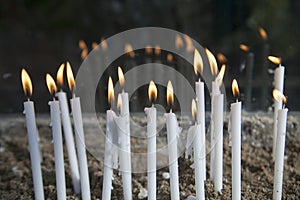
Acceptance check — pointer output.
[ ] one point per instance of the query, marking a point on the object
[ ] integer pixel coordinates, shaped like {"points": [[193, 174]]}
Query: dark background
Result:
{"points": [[39, 35]]}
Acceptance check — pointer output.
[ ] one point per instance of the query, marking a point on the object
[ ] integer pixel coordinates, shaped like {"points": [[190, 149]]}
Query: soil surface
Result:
{"points": [[257, 165]]}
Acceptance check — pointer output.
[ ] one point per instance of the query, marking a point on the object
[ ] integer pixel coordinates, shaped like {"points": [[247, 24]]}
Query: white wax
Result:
{"points": [[125, 161], [80, 144], [279, 153], [218, 139], [108, 156], [172, 129], [198, 145], [62, 97], [58, 150], [201, 120], [34, 150], [151, 154], [235, 120], [278, 84]]}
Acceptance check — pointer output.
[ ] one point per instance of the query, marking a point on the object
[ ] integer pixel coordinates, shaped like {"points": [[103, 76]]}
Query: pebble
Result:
{"points": [[166, 175], [191, 197], [143, 193], [17, 172], [2, 149]]}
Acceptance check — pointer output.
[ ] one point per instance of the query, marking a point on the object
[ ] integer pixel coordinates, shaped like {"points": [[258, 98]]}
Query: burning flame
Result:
{"points": [[148, 49], [82, 45], [121, 76], [278, 96], [60, 75], [220, 76], [194, 109], [84, 53], [178, 42], [103, 44], [221, 58], [71, 81], [263, 34], [128, 49], [157, 50], [198, 63], [189, 43], [51, 84], [235, 88], [275, 60], [169, 57], [170, 95], [244, 47], [152, 91], [26, 81], [111, 95], [212, 62], [119, 102], [94, 45]]}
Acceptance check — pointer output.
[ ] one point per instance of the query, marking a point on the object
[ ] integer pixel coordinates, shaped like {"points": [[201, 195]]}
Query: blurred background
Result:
{"points": [[40, 35]]}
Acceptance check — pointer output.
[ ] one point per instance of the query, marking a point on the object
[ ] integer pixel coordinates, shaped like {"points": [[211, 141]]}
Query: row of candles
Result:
{"points": [[118, 126]]}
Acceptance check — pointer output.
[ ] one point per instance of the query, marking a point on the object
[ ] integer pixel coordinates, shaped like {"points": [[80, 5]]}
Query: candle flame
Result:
{"points": [[128, 49], [278, 96], [148, 49], [103, 43], [235, 88], [60, 75], [119, 101], [189, 43], [221, 58], [26, 82], [220, 76], [263, 34], [194, 109], [212, 62], [170, 95], [84, 53], [121, 76], [70, 76], [152, 91], [178, 42], [275, 60], [157, 50], [82, 44], [169, 57], [51, 84], [94, 45], [111, 95], [244, 47], [198, 63]]}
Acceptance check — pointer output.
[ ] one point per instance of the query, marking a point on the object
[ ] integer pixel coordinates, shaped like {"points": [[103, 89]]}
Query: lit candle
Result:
{"points": [[108, 155], [199, 87], [280, 145], [124, 138], [235, 125], [198, 146], [34, 149], [79, 136], [172, 131], [57, 140], [68, 133], [151, 130], [278, 85]]}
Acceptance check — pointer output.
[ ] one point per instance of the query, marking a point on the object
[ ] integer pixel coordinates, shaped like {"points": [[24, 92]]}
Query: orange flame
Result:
{"points": [[128, 49], [60, 75], [235, 88], [71, 81], [84, 53], [244, 47], [26, 82], [189, 43], [212, 62], [169, 57], [170, 95], [111, 95], [51, 84], [263, 34], [119, 102], [178, 42], [275, 60], [198, 63], [94, 45], [220, 76], [194, 109], [221, 58], [82, 44], [121, 76], [278, 96], [103, 44], [152, 91], [148, 49], [157, 50]]}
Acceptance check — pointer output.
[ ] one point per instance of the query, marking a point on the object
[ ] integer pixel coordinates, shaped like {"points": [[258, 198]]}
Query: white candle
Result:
{"points": [[151, 132], [124, 134], [34, 148], [278, 84], [280, 146], [172, 131], [79, 136], [235, 123], [68, 133]]}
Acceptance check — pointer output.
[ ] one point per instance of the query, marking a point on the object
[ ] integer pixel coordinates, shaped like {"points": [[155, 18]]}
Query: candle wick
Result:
{"points": [[170, 110], [28, 99], [152, 105], [73, 94]]}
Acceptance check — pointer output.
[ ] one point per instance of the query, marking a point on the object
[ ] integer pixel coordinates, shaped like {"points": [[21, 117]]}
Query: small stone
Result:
{"points": [[17, 172], [191, 197], [166, 175], [143, 193], [2, 149]]}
